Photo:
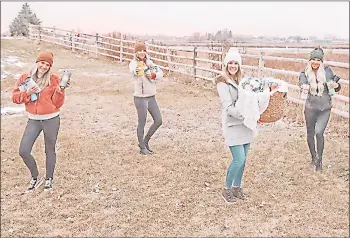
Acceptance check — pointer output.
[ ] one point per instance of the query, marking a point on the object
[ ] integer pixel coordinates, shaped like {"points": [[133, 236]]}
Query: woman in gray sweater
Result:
{"points": [[145, 73], [237, 136], [319, 82]]}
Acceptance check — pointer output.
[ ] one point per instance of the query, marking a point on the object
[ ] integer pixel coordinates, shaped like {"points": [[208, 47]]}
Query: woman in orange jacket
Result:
{"points": [[43, 102]]}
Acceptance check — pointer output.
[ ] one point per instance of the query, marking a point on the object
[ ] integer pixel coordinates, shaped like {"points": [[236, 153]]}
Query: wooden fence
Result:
{"points": [[194, 61]]}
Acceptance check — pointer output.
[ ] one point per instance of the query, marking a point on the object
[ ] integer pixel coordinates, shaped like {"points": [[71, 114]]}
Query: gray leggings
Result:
{"points": [[31, 133], [316, 122], [144, 104]]}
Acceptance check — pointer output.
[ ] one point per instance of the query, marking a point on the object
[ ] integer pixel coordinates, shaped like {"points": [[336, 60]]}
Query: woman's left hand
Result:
{"points": [[274, 87], [68, 83], [151, 76], [61, 89], [334, 85]]}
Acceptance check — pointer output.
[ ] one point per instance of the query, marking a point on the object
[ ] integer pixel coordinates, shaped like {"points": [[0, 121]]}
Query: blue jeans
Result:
{"points": [[235, 170]]}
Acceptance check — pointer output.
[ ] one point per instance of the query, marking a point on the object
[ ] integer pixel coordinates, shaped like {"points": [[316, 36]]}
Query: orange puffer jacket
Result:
{"points": [[50, 99]]}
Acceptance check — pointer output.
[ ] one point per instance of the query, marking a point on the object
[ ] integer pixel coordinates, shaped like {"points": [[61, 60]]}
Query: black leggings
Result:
{"points": [[316, 122]]}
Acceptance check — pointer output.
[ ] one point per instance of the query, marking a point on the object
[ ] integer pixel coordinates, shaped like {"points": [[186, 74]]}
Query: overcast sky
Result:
{"points": [[184, 18]]}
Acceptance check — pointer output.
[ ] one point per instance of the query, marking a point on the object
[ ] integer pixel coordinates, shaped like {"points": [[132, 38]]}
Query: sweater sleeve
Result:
{"points": [[226, 100], [132, 67], [303, 79], [331, 76], [58, 97]]}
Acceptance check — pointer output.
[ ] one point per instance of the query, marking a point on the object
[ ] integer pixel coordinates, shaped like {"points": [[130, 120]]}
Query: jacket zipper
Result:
{"points": [[36, 104], [142, 86]]}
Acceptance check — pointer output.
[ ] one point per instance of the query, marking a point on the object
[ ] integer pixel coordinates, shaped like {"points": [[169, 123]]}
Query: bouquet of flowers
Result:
{"points": [[152, 69], [257, 85], [261, 99], [277, 90]]}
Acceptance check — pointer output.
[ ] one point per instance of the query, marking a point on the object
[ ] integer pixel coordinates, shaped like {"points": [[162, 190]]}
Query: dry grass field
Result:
{"points": [[104, 188]]}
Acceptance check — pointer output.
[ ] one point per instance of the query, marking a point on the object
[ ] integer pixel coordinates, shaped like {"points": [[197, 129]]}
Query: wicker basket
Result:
{"points": [[276, 107]]}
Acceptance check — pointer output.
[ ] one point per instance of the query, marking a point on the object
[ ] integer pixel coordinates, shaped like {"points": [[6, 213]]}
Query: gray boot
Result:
{"points": [[147, 145], [318, 163], [228, 196], [313, 160], [144, 151]]}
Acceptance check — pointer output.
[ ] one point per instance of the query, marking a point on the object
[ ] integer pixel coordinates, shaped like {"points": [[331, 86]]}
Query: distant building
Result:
{"points": [[322, 41], [307, 41]]}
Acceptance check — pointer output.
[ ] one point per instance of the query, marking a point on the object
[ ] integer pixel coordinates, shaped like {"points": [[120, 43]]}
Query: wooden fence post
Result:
{"points": [[168, 59], [194, 61], [96, 46], [54, 34], [121, 48], [71, 37], [261, 65], [39, 34]]}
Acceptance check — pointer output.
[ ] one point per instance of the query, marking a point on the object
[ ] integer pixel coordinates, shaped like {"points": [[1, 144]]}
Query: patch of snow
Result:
{"points": [[12, 61], [12, 110], [7, 38], [16, 76], [61, 70], [4, 74], [19, 64], [12, 38]]}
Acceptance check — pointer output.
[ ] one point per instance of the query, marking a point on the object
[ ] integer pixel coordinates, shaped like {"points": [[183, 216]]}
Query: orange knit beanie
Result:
{"points": [[45, 56]]}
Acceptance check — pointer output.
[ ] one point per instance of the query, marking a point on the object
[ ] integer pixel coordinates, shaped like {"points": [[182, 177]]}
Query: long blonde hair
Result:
{"points": [[311, 77], [226, 76], [44, 81]]}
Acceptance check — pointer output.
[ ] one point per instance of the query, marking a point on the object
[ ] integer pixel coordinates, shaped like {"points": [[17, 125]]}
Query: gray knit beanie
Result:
{"points": [[317, 53]]}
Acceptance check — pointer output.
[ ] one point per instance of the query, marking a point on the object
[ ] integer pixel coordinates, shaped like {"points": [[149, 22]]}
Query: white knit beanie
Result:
{"points": [[232, 55]]}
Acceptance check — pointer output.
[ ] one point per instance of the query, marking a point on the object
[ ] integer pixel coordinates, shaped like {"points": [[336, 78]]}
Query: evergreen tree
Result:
{"points": [[20, 25]]}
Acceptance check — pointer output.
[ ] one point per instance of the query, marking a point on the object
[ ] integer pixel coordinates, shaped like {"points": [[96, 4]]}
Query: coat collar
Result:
{"points": [[230, 81]]}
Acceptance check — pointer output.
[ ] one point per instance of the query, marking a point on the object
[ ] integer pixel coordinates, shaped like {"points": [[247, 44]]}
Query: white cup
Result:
{"points": [[304, 91]]}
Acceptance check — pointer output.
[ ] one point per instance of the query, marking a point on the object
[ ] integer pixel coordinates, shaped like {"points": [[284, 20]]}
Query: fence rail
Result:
{"points": [[190, 63]]}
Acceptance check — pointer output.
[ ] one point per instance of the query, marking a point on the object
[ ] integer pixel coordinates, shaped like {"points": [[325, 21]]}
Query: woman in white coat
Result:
{"points": [[237, 136]]}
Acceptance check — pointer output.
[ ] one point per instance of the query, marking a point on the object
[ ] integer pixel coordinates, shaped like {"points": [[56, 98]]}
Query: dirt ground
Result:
{"points": [[104, 188]]}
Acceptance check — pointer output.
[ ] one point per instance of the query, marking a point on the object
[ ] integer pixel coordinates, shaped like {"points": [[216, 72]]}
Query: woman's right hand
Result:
{"points": [[32, 90], [137, 70]]}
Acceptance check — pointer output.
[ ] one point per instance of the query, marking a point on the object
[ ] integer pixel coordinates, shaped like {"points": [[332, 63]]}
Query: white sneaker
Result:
{"points": [[48, 184], [35, 184]]}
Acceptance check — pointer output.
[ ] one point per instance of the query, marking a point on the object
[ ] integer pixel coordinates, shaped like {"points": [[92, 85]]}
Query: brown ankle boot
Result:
{"points": [[227, 196], [238, 193]]}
